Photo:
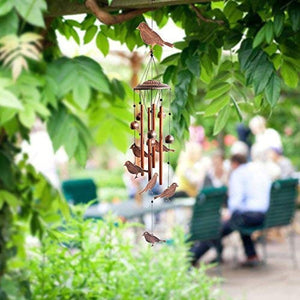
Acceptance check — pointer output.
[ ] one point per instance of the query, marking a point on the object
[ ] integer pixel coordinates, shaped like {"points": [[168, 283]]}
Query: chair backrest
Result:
{"points": [[206, 218], [78, 191], [282, 203]]}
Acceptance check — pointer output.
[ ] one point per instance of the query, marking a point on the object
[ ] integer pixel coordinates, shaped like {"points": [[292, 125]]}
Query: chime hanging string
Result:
{"points": [[169, 133]]}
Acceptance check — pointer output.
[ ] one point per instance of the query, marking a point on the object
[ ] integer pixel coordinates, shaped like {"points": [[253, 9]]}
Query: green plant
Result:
{"points": [[101, 260]]}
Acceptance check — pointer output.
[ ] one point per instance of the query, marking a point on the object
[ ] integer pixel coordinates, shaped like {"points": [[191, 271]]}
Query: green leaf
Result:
{"points": [[81, 153], [157, 52], [294, 14], [272, 91], [216, 105], [260, 37], [9, 24], [261, 76], [27, 116], [89, 34], [73, 139], [269, 32], [278, 24], [171, 59], [193, 64], [5, 7], [8, 99], [70, 73], [289, 74], [169, 73], [102, 43], [217, 90], [6, 114], [82, 94], [276, 60], [232, 13], [32, 11], [9, 198], [75, 35], [222, 119], [237, 108]]}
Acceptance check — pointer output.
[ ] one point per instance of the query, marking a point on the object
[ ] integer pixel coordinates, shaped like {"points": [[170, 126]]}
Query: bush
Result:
{"points": [[100, 260]]}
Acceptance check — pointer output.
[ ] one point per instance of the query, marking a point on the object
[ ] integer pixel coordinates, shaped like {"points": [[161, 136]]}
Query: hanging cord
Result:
{"points": [[169, 134]]}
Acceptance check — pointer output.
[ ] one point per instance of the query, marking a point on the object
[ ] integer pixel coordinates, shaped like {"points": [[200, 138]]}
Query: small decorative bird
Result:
{"points": [[150, 37], [168, 192], [137, 151], [152, 239], [133, 169], [150, 185], [165, 149]]}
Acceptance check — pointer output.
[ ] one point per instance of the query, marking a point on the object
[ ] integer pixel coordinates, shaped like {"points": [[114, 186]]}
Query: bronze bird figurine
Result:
{"points": [[165, 149], [150, 37], [150, 185], [133, 169], [152, 239], [168, 192], [137, 151]]}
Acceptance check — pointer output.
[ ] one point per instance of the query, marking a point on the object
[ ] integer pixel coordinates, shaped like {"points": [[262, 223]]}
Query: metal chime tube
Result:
{"points": [[153, 128], [142, 136], [149, 146], [161, 145]]}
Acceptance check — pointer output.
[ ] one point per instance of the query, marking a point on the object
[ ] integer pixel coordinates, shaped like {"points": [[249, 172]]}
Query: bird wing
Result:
{"points": [[150, 184]]}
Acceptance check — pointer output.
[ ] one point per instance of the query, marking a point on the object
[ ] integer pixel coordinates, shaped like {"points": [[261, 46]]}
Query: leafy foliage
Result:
{"points": [[110, 265], [14, 49]]}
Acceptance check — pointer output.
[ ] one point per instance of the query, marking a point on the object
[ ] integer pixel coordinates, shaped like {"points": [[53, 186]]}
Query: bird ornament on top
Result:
{"points": [[150, 37], [149, 113]]}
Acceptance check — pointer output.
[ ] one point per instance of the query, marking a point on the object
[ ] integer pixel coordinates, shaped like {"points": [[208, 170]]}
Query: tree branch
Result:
{"points": [[200, 16], [109, 19]]}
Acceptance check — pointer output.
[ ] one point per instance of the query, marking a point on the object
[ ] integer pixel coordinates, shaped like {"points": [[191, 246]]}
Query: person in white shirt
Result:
{"points": [[248, 200]]}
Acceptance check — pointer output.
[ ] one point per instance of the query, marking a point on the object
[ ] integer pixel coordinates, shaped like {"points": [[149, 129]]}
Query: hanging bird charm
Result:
{"points": [[152, 239], [137, 150], [168, 192], [150, 185], [165, 149], [150, 37], [133, 169]]}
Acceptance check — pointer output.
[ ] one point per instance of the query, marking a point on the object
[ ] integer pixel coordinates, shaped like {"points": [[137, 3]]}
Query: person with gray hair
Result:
{"points": [[259, 157], [268, 137]]}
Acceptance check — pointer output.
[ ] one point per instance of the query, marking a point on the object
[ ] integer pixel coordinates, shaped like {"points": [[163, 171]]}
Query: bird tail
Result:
{"points": [[142, 191], [172, 150], [155, 197], [169, 44], [163, 241]]}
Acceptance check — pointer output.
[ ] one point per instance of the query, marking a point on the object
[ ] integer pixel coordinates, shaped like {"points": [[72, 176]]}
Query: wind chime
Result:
{"points": [[149, 112]]}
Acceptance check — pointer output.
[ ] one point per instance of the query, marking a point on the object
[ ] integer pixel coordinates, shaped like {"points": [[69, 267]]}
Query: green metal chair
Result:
{"points": [[206, 218], [281, 212], [79, 191]]}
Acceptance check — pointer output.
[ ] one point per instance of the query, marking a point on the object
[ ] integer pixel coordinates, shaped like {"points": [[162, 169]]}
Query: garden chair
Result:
{"points": [[280, 213], [79, 191], [206, 218]]}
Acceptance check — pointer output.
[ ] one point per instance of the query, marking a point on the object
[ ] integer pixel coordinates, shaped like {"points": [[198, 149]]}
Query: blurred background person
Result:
{"points": [[267, 137], [286, 168], [217, 174], [190, 171], [248, 200], [259, 157]]}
